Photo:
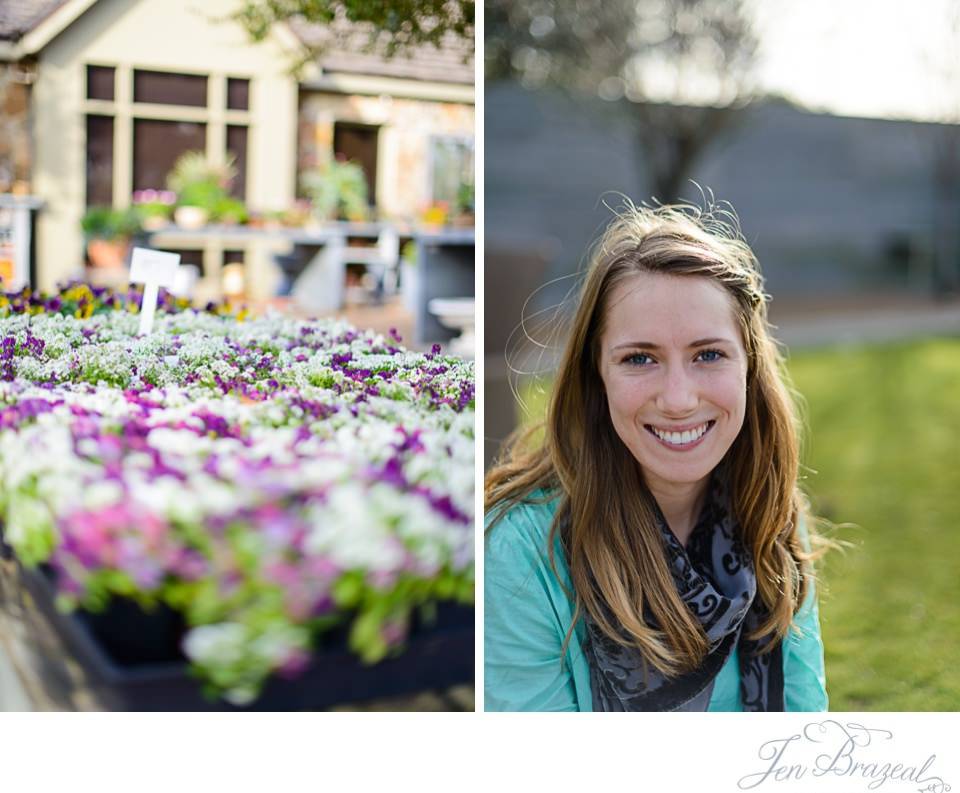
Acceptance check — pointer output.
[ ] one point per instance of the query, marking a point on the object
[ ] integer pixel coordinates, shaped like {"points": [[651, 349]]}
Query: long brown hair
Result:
{"points": [[606, 516]]}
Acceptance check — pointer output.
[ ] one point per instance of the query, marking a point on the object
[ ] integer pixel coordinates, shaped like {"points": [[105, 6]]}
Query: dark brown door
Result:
{"points": [[358, 142]]}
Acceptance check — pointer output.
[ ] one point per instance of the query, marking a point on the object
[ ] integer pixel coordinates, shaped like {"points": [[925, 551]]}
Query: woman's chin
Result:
{"points": [[694, 468]]}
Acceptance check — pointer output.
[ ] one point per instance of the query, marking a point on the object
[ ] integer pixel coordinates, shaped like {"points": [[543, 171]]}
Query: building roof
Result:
{"points": [[346, 47], [350, 49], [19, 17]]}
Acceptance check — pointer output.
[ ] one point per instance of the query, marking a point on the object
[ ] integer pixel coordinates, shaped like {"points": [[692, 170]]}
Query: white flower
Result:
{"points": [[221, 644]]}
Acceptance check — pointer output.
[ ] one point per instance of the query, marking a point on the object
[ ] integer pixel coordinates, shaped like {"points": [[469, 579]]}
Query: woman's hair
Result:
{"points": [[606, 518]]}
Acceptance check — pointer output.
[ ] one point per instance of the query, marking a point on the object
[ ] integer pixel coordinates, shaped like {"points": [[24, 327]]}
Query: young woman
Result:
{"points": [[650, 553]]}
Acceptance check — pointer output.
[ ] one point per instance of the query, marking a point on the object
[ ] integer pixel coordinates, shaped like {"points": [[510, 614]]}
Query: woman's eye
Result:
{"points": [[709, 356], [638, 359]]}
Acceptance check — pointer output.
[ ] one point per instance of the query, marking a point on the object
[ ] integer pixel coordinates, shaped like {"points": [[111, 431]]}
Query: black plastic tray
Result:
{"points": [[6, 552], [435, 657]]}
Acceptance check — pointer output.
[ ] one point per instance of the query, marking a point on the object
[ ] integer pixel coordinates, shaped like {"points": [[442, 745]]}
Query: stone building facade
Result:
{"points": [[15, 148]]}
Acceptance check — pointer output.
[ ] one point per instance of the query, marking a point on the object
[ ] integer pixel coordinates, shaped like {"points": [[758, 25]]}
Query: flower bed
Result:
{"points": [[269, 480]]}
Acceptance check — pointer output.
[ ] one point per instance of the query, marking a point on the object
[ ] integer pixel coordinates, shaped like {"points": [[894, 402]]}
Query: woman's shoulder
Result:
{"points": [[527, 519], [520, 533]]}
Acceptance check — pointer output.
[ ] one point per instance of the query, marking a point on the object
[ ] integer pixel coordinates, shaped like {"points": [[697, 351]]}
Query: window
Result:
{"points": [[100, 82], [170, 115], [237, 148], [451, 171], [164, 88], [238, 94], [158, 144], [99, 160], [358, 143]]}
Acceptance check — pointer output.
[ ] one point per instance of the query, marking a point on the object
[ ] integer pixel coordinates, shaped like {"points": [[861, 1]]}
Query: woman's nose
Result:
{"points": [[678, 393]]}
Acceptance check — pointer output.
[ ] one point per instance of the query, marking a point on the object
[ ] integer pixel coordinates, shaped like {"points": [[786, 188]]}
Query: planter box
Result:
{"points": [[126, 659], [6, 552]]}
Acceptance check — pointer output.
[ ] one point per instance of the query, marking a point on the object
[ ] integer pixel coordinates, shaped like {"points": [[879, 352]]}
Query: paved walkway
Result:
{"points": [[13, 696], [864, 320]]}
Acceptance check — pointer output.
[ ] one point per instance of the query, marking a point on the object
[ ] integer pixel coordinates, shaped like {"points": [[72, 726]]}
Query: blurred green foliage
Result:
{"points": [[397, 26], [338, 190], [106, 223]]}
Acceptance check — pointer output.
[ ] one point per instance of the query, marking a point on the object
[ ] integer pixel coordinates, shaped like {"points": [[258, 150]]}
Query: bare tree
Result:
{"points": [[683, 67]]}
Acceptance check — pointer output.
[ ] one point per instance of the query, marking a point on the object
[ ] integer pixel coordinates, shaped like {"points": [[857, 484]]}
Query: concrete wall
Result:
{"points": [[160, 35]]}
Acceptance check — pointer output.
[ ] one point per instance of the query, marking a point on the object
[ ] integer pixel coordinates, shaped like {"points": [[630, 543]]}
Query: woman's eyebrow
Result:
{"points": [[707, 342], [646, 345]]}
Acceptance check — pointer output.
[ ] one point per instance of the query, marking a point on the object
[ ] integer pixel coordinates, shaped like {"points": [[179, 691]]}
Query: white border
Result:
{"points": [[509, 752]]}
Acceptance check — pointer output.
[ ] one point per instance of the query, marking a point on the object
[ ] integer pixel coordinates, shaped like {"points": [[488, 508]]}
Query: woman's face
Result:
{"points": [[675, 371]]}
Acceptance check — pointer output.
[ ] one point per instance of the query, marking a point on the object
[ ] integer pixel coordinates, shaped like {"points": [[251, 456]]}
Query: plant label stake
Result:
{"points": [[153, 269]]}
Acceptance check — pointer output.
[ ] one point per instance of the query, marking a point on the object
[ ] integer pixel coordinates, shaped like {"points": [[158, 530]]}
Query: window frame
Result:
{"points": [[125, 111], [468, 139]]}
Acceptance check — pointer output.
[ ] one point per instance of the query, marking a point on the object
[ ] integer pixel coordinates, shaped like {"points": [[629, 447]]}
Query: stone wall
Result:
{"points": [[15, 150]]}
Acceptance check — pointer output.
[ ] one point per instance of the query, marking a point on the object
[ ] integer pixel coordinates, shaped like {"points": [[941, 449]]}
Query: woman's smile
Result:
{"points": [[681, 439]]}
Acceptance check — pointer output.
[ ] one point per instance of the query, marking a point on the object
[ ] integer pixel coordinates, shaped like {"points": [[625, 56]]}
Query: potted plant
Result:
{"points": [[338, 191], [202, 190], [436, 214], [108, 232], [230, 211], [155, 207], [464, 215]]}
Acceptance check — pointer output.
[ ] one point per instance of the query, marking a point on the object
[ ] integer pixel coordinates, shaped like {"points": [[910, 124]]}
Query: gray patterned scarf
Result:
{"points": [[715, 578]]}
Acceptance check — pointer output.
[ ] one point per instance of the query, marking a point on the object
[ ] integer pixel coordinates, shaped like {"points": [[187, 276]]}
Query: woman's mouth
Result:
{"points": [[680, 440]]}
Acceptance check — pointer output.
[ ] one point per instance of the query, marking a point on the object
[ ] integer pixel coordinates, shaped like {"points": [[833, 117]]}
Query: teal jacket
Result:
{"points": [[527, 614]]}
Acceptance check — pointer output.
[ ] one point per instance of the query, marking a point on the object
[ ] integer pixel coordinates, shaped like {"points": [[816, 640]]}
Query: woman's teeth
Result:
{"points": [[682, 438]]}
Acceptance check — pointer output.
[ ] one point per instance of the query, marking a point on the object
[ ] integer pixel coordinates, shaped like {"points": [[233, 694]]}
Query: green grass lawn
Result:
{"points": [[884, 449], [883, 454]]}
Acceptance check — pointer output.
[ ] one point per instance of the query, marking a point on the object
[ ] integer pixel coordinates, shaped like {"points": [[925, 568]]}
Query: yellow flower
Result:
{"points": [[78, 293]]}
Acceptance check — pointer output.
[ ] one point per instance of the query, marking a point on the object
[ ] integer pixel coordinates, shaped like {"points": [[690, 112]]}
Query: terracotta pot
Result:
{"points": [[107, 254]]}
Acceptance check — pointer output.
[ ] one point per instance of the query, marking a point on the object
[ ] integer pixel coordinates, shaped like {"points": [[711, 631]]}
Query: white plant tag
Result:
{"points": [[153, 269]]}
